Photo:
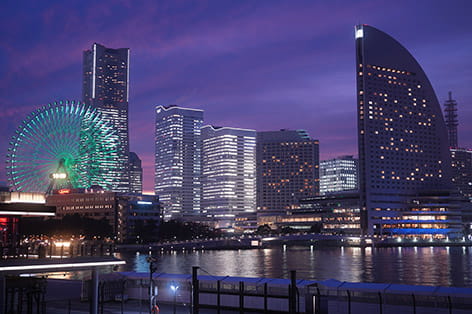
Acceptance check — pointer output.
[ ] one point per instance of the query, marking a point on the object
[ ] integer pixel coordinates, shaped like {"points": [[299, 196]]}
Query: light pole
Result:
{"points": [[152, 270], [174, 288]]}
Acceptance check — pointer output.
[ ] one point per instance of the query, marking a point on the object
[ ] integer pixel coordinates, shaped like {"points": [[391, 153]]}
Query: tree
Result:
{"points": [[178, 230], [69, 225], [316, 227], [286, 230], [263, 230], [147, 230]]}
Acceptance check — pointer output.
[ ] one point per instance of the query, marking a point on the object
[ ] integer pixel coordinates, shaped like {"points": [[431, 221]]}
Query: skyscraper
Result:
{"points": [[228, 173], [338, 174], [287, 169], [106, 87], [178, 160], [404, 159], [135, 173]]}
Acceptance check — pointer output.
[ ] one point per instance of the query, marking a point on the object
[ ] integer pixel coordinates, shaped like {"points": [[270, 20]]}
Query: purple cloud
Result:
{"points": [[259, 65]]}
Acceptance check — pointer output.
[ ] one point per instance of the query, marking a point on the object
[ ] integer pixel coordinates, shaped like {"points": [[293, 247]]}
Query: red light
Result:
{"points": [[64, 191]]}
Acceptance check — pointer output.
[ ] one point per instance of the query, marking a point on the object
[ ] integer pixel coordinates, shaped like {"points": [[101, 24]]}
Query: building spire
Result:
{"points": [[450, 110]]}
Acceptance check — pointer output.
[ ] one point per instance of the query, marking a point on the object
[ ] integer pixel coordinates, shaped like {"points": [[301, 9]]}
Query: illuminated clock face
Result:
{"points": [[58, 176]]}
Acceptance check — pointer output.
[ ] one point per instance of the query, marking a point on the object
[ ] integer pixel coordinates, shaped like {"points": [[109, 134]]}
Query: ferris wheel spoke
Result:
{"points": [[40, 141], [36, 181], [71, 131], [28, 180]]}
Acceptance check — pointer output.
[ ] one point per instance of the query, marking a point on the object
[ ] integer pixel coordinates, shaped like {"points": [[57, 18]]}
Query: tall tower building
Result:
{"points": [[228, 173], [135, 173], [106, 87], [338, 174], [287, 169], [178, 160], [404, 160], [450, 109]]}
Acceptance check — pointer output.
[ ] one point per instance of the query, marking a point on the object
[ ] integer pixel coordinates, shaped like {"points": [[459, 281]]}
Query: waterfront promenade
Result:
{"points": [[129, 307], [266, 295]]}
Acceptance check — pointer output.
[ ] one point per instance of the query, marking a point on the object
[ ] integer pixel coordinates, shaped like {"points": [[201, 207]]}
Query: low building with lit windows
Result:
{"points": [[121, 210], [246, 222], [429, 215], [334, 213], [14, 206]]}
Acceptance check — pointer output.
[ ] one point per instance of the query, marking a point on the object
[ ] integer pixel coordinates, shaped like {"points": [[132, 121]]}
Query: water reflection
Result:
{"points": [[424, 266]]}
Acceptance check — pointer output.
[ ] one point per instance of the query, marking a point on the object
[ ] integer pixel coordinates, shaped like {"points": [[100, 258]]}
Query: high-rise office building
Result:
{"points": [[178, 160], [404, 161], [106, 87], [287, 169], [338, 174], [228, 173], [135, 173]]}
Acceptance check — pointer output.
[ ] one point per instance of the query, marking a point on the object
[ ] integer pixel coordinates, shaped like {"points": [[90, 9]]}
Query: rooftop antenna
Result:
{"points": [[450, 109]]}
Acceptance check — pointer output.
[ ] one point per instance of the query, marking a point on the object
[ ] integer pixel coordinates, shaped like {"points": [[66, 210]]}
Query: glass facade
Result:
{"points": [[106, 87], [178, 160], [228, 173], [338, 174], [403, 144], [135, 173]]}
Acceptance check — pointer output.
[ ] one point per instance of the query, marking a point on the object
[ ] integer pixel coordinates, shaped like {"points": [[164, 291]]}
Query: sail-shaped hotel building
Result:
{"points": [[404, 161]]}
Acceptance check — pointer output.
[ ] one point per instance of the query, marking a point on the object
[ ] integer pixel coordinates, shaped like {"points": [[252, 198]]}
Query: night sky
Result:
{"points": [[264, 65]]}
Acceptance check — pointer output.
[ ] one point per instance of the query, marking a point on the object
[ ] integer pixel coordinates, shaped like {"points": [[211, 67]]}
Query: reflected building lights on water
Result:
{"points": [[439, 266]]}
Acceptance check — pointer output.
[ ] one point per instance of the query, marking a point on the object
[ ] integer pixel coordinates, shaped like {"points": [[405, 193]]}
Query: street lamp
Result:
{"points": [[174, 288]]}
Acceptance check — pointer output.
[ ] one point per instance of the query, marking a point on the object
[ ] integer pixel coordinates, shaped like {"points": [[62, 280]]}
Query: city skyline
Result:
{"points": [[251, 65]]}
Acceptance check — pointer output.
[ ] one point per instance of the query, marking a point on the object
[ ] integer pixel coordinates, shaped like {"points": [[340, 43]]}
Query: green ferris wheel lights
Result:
{"points": [[69, 134]]}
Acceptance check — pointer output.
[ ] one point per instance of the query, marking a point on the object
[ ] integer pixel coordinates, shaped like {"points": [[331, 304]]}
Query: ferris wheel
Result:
{"points": [[63, 144]]}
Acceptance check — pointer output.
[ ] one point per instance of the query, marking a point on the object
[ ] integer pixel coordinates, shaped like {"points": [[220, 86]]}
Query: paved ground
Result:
{"points": [[130, 306]]}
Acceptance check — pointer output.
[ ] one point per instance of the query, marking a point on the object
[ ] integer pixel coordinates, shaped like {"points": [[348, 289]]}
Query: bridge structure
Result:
{"points": [[254, 242]]}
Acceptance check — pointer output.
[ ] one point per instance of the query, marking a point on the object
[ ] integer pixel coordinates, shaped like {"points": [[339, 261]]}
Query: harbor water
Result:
{"points": [[435, 266]]}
